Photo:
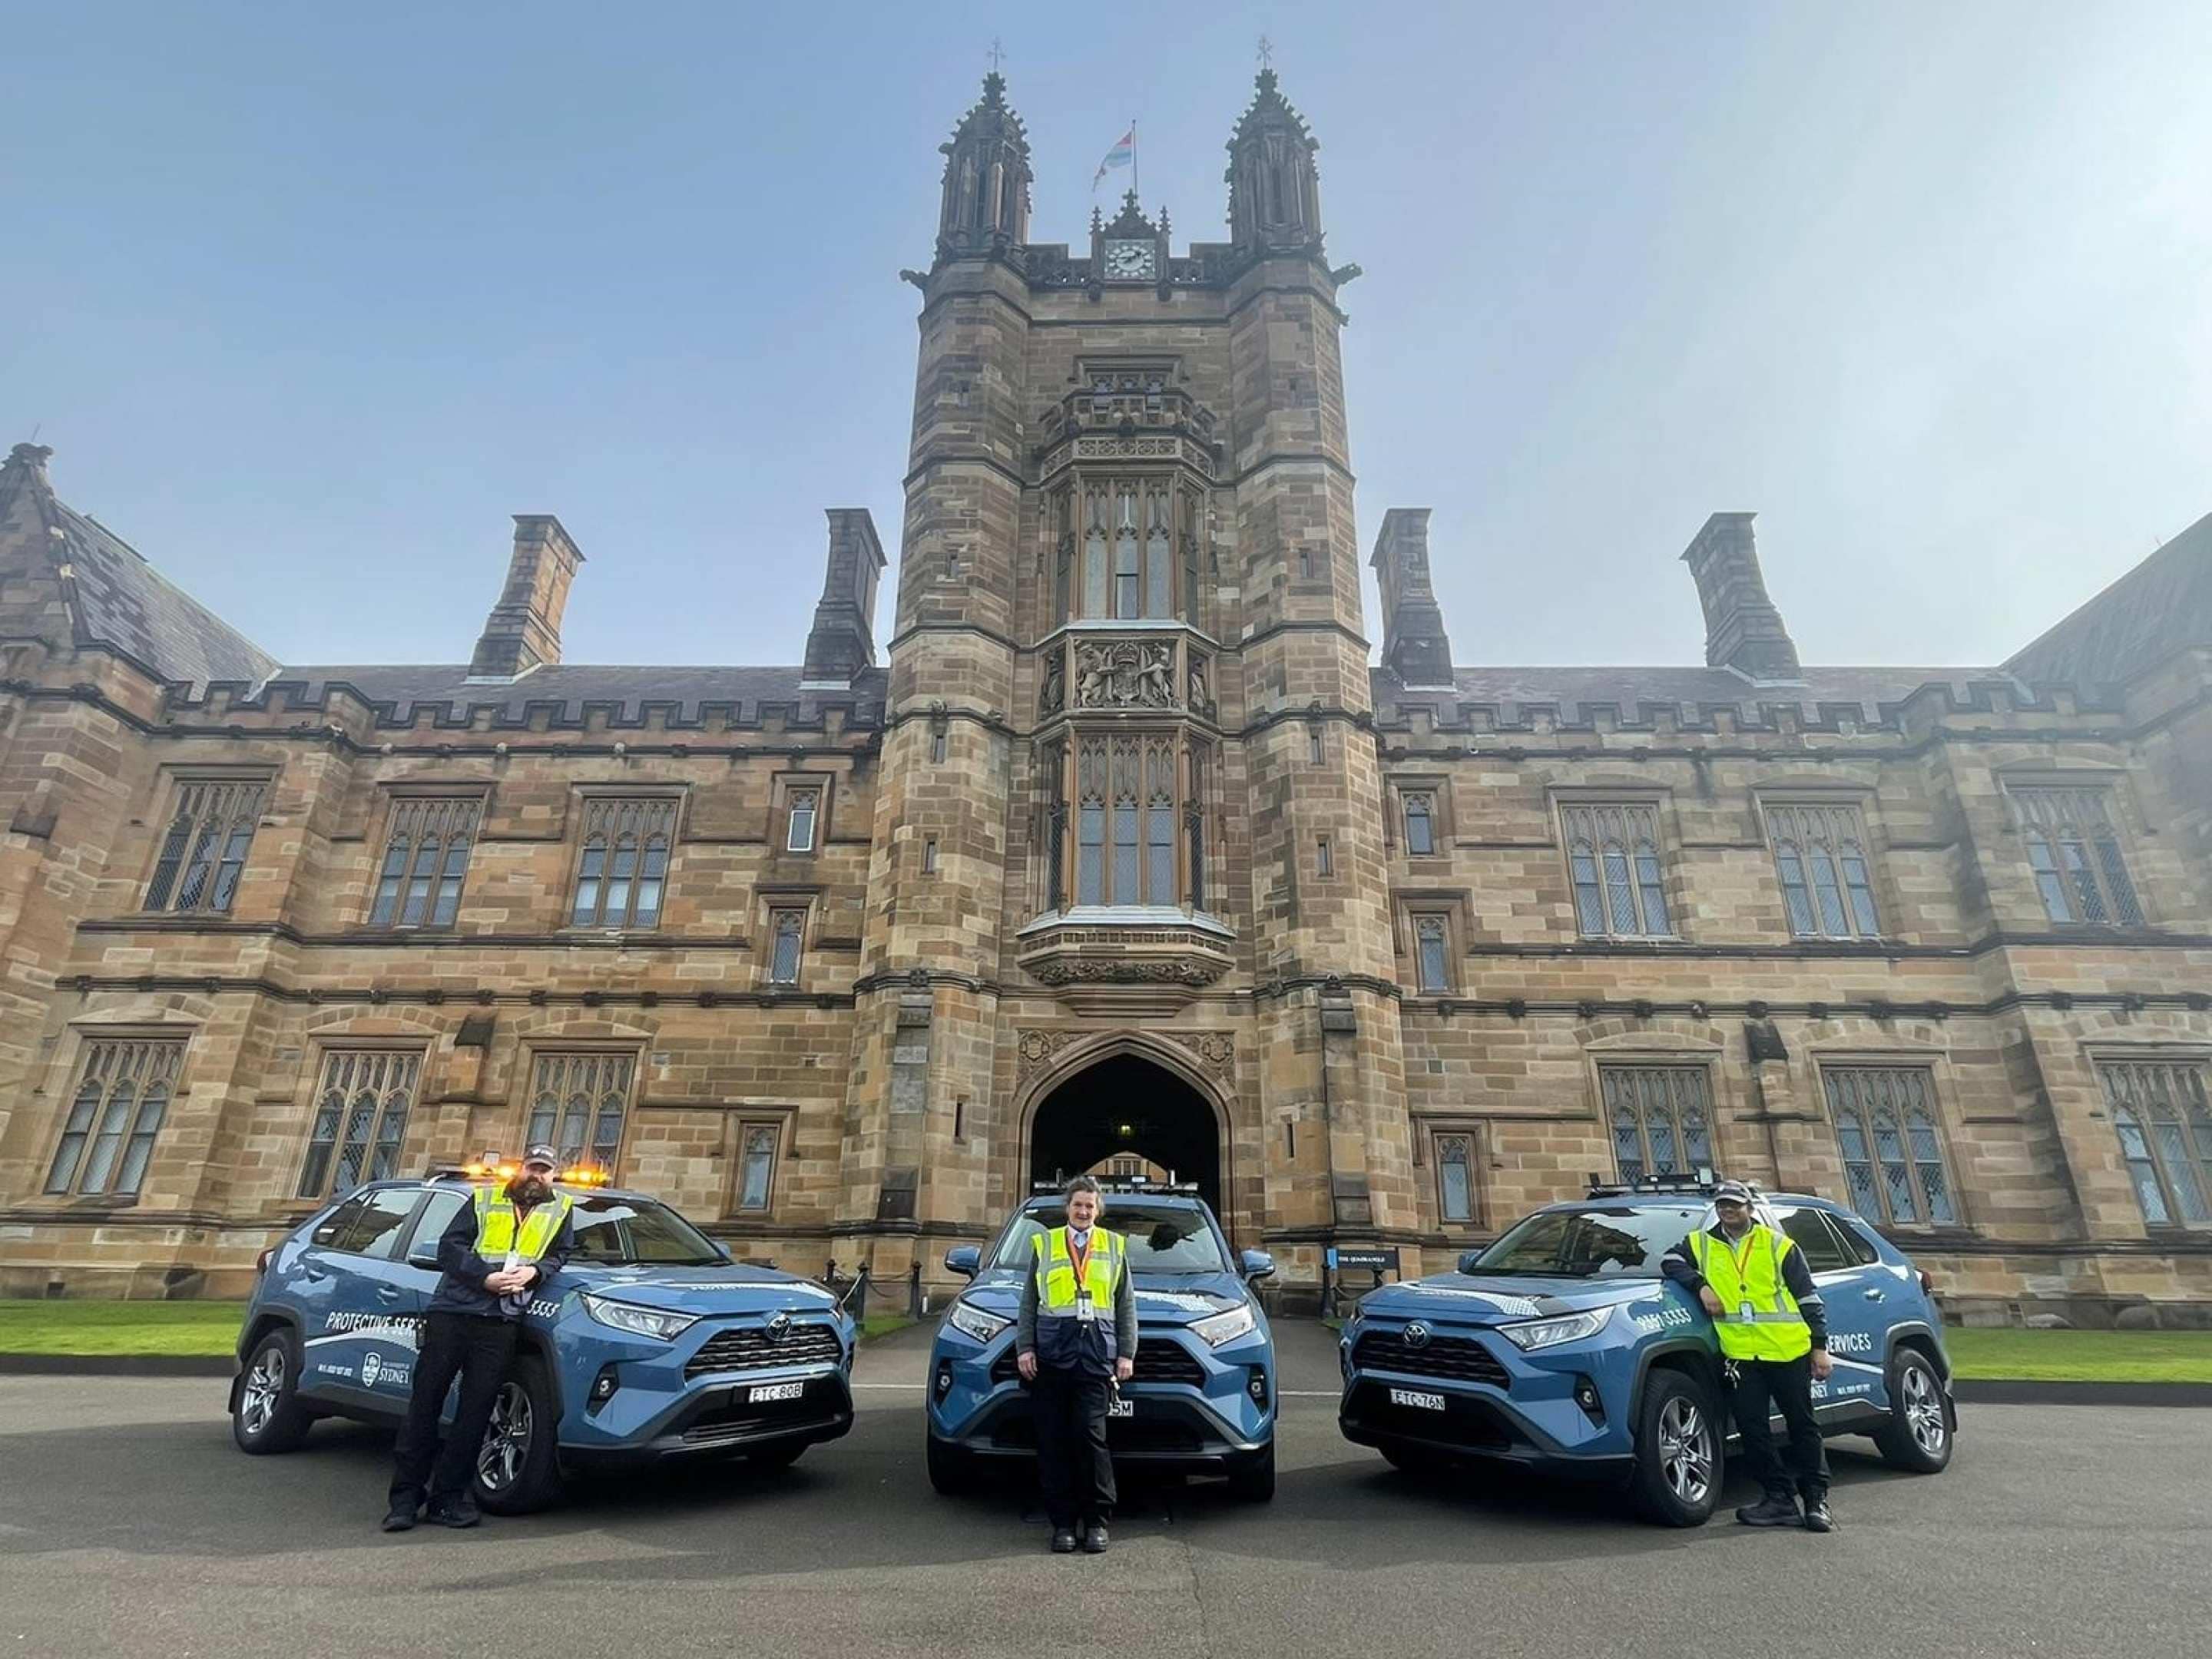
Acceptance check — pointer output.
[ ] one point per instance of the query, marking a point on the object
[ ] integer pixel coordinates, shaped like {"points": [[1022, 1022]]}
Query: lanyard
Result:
{"points": [[1080, 1255]]}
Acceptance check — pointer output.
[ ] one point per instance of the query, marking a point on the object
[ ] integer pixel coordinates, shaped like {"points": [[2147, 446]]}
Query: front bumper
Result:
{"points": [[1526, 1410], [674, 1400], [1206, 1422]]}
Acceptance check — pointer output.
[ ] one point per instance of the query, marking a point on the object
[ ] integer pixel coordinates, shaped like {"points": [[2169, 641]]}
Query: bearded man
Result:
{"points": [[497, 1254]]}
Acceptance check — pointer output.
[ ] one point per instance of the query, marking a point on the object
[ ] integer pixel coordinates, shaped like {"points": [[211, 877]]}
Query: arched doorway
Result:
{"points": [[1127, 1107]]}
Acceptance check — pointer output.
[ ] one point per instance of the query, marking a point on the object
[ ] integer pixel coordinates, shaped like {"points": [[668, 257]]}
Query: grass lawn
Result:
{"points": [[120, 1327], [883, 1324], [2082, 1356]]}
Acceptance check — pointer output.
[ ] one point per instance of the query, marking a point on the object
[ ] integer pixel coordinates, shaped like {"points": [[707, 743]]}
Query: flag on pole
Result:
{"points": [[1124, 154]]}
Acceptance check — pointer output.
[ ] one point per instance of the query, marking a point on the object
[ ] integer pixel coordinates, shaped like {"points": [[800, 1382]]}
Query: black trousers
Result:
{"points": [[477, 1346], [1074, 1465], [1786, 1386]]}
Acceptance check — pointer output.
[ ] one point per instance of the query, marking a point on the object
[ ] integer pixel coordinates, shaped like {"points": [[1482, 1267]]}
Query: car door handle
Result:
{"points": [[1874, 1295], [391, 1293]]}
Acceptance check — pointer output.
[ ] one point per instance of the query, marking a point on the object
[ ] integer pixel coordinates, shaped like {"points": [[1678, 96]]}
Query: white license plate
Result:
{"points": [[769, 1391], [1120, 1408], [1417, 1399]]}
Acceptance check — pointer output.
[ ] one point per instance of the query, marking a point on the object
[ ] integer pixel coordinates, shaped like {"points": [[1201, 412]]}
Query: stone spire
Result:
{"points": [[1743, 631], [986, 204], [1274, 190], [843, 639]]}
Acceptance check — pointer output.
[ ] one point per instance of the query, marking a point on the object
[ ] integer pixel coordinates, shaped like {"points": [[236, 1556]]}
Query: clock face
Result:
{"points": [[1127, 261]]}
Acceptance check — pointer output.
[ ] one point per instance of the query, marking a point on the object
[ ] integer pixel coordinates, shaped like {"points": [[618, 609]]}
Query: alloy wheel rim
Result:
{"points": [[1923, 1412], [507, 1439], [1685, 1454], [264, 1386]]}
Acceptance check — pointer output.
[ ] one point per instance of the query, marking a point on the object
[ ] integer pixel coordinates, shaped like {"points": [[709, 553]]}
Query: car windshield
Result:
{"points": [[1601, 1240], [625, 1233], [1163, 1238]]}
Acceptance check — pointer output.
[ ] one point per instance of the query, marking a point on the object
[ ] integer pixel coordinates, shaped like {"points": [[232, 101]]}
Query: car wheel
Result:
{"points": [[952, 1471], [1677, 1479], [1252, 1476], [517, 1470], [266, 1414], [1918, 1437]]}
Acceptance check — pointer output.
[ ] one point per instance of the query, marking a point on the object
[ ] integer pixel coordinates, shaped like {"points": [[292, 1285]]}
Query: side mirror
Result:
{"points": [[1255, 1264], [723, 1251], [966, 1259], [1468, 1260], [422, 1252]]}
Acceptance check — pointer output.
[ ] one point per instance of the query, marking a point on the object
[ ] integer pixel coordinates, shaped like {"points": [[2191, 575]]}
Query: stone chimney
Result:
{"points": [[1415, 646], [1743, 631], [843, 641], [523, 629]]}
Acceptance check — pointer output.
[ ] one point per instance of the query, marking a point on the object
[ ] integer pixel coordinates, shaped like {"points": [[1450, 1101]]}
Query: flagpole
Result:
{"points": [[1136, 173]]}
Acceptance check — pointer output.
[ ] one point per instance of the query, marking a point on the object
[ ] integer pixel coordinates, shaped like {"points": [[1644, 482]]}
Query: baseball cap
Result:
{"points": [[543, 1154], [1732, 1192]]}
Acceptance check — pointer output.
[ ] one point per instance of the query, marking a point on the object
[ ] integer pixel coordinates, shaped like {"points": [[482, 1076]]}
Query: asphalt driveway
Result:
{"points": [[130, 1524]]}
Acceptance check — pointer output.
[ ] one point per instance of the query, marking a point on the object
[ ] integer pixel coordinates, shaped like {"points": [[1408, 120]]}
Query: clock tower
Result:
{"points": [[1128, 821]]}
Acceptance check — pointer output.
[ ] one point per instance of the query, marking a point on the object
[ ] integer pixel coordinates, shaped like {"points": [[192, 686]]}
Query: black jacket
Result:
{"points": [[1797, 1278], [461, 1290]]}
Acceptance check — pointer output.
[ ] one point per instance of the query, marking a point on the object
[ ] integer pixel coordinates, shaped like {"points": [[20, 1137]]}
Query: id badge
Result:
{"points": [[1086, 1311], [1744, 1313]]}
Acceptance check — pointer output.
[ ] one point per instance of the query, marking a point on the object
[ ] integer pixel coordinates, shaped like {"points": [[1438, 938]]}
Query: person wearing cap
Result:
{"points": [[1075, 1341], [497, 1255], [1773, 1333]]}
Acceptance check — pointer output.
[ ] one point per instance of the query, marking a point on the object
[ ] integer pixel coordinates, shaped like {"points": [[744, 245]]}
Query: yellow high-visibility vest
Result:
{"points": [[496, 1229], [1057, 1286], [1748, 1275]]}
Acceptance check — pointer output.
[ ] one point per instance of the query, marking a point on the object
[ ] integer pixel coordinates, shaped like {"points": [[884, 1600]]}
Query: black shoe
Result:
{"points": [[1095, 1541], [1063, 1541], [1773, 1511], [1817, 1518], [459, 1510], [400, 1517]]}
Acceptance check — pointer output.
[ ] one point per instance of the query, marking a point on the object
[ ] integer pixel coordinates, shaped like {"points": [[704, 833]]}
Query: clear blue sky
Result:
{"points": [[310, 299]]}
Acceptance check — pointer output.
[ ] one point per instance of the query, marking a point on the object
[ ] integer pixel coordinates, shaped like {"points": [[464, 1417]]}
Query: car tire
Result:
{"points": [[952, 1471], [1252, 1476], [518, 1469], [1917, 1438], [1678, 1468], [266, 1413]]}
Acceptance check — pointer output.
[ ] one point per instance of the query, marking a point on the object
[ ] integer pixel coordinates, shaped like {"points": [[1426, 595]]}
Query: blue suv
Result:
{"points": [[1561, 1345], [1203, 1398], [651, 1345]]}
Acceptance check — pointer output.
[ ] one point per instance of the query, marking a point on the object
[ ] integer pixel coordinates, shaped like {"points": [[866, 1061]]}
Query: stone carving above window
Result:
{"points": [[1124, 674]]}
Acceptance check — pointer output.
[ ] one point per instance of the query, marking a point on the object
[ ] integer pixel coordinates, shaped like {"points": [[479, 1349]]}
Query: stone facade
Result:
{"points": [[1128, 851]]}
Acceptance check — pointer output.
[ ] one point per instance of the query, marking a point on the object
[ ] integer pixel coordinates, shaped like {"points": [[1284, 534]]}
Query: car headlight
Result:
{"points": [[1550, 1333], [976, 1322], [1218, 1329], [639, 1322]]}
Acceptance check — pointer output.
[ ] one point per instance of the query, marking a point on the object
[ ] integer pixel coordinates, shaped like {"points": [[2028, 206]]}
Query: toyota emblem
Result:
{"points": [[779, 1327], [1417, 1335]]}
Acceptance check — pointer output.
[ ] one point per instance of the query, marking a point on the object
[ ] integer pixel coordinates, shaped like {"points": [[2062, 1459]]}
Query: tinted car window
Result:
{"points": [[333, 1226], [1810, 1231], [637, 1232], [446, 1203], [1854, 1234], [1163, 1238], [1601, 1240], [378, 1226]]}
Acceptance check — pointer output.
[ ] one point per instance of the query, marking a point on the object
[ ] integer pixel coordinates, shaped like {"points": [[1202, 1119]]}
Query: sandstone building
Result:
{"points": [[1133, 847]]}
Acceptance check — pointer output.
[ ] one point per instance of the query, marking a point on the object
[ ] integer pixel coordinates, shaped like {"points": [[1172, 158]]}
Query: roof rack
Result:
{"points": [[1701, 1184], [1134, 1186]]}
